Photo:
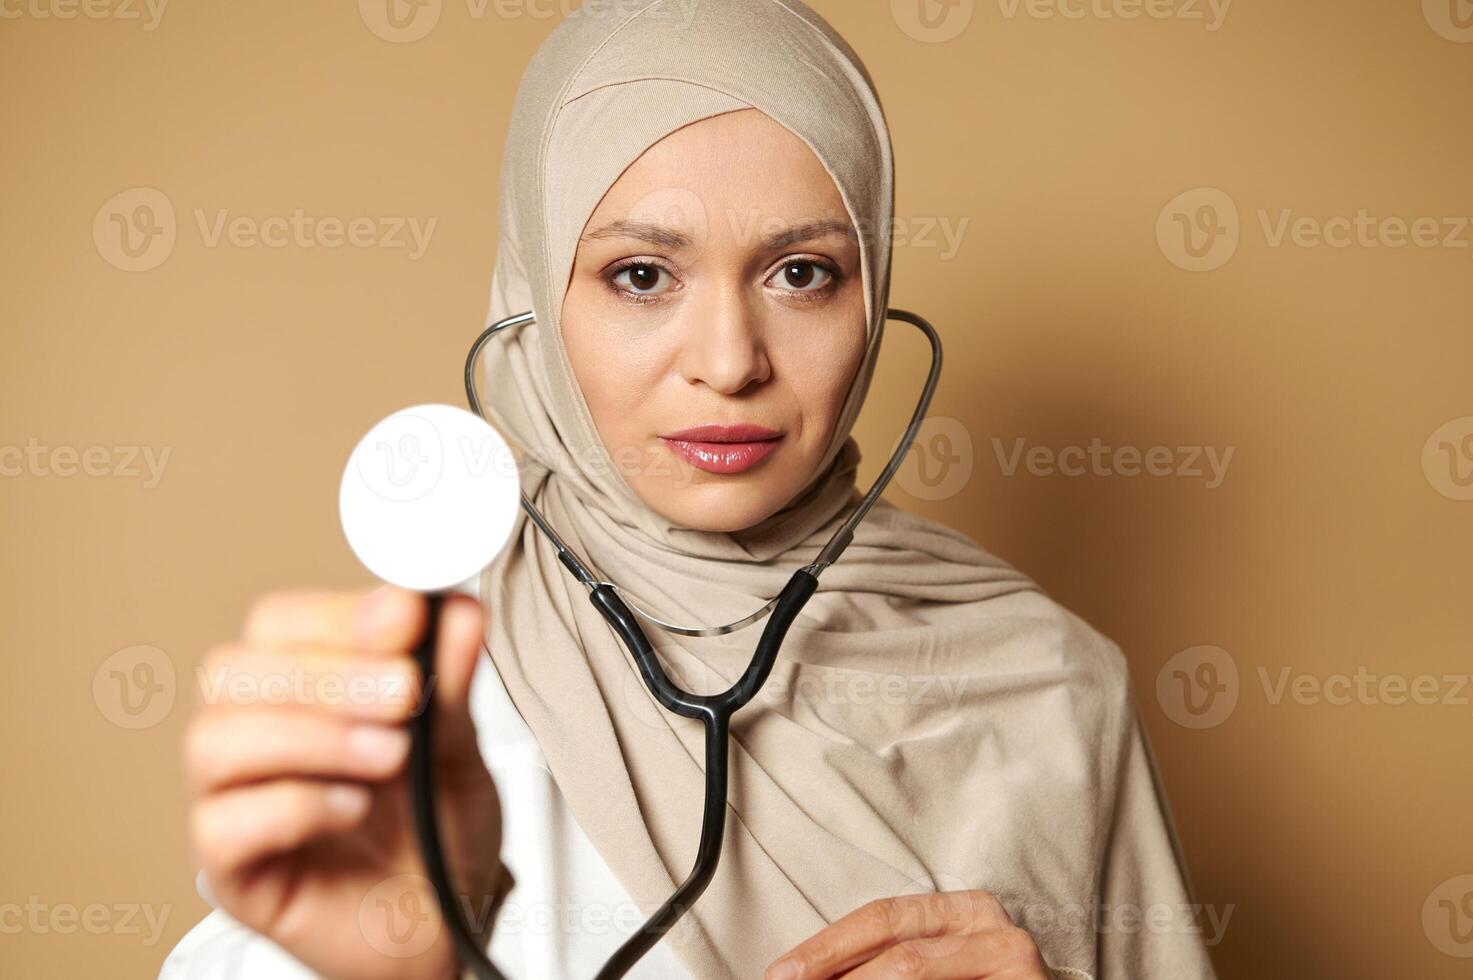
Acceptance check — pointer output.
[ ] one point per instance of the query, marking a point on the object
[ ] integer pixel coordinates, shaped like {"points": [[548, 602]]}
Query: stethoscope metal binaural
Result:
{"points": [[714, 711]]}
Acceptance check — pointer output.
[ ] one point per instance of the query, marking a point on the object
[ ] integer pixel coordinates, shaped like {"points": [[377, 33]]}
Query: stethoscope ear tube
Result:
{"points": [[790, 602], [842, 537], [714, 711]]}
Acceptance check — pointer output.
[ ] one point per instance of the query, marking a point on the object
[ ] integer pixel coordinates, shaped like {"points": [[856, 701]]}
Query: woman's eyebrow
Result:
{"points": [[642, 230], [664, 237], [807, 231]]}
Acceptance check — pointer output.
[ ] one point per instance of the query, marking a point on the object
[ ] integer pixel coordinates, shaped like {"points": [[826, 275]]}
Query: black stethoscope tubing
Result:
{"points": [[714, 711]]}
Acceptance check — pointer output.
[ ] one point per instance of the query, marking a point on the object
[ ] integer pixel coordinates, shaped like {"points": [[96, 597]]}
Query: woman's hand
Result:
{"points": [[942, 935], [302, 822]]}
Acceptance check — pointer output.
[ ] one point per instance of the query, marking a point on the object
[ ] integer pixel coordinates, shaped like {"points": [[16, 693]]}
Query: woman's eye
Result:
{"points": [[642, 279], [801, 276]]}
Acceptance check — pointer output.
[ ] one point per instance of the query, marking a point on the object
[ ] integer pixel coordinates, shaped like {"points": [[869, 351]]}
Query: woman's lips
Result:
{"points": [[723, 448]]}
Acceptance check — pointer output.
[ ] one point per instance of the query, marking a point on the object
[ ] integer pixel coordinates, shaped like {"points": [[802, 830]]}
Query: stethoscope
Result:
{"points": [[714, 711]]}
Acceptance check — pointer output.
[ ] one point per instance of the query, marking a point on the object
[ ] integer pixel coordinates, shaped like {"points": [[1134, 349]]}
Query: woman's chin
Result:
{"points": [[725, 505]]}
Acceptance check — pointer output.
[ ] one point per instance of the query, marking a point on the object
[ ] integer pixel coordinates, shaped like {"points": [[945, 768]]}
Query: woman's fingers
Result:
{"points": [[457, 650], [385, 624], [299, 751], [308, 712], [301, 707], [458, 647], [993, 954], [386, 620], [302, 618], [225, 749], [870, 929], [337, 682], [238, 827]]}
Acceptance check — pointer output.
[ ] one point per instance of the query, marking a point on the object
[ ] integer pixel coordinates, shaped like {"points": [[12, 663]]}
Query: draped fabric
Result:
{"points": [[934, 721]]}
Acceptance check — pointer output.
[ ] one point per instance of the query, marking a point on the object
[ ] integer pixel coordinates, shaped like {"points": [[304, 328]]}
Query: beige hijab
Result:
{"points": [[933, 722]]}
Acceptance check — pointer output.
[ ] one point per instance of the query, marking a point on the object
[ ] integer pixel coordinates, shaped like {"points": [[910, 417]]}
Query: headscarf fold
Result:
{"points": [[933, 722]]}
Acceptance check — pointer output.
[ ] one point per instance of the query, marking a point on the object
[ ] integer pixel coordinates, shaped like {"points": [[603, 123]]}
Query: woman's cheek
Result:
{"points": [[830, 385]]}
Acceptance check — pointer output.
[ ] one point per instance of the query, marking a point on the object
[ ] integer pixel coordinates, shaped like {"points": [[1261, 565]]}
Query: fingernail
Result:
{"points": [[347, 801], [377, 745], [782, 970]]}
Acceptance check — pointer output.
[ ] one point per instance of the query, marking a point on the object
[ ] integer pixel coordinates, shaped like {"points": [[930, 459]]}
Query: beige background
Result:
{"points": [[1333, 834]]}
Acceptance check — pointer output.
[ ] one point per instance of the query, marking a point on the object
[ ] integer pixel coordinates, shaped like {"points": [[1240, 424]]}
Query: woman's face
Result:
{"points": [[718, 286]]}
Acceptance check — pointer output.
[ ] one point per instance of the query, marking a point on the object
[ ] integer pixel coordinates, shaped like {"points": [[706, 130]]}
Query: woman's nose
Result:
{"points": [[722, 344]]}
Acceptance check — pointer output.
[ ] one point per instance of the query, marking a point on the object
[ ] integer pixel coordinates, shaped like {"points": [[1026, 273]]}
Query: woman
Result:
{"points": [[946, 775]]}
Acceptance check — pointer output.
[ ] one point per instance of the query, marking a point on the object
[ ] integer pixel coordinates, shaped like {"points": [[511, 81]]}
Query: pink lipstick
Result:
{"points": [[723, 448]]}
